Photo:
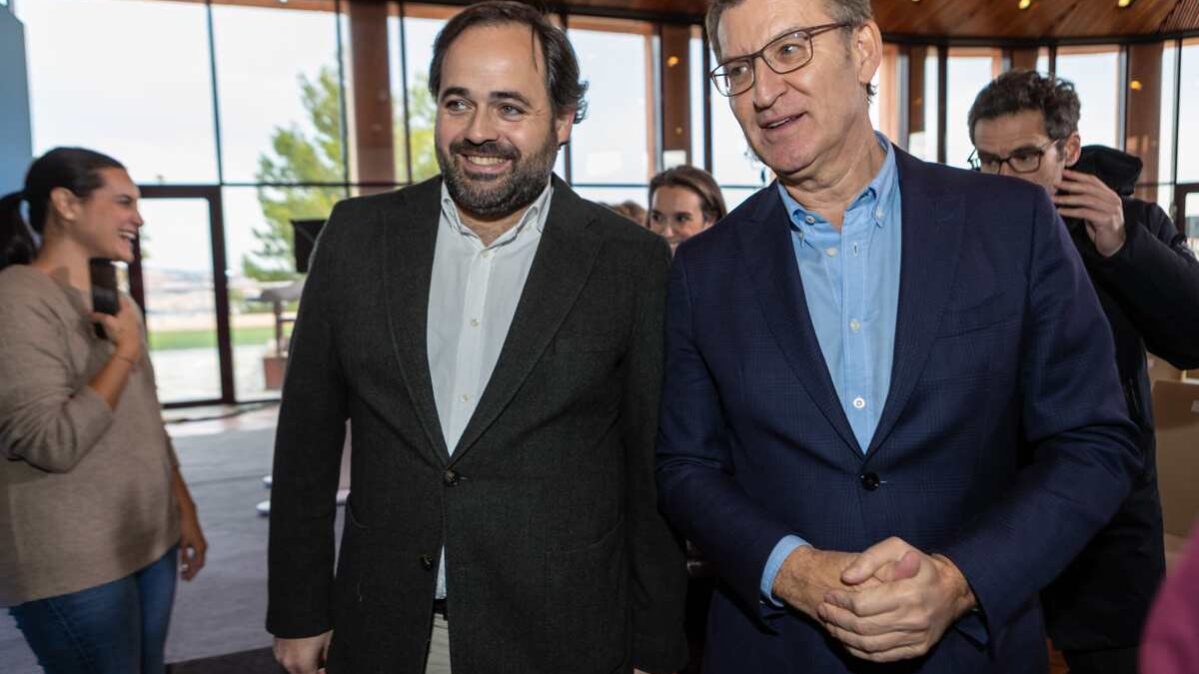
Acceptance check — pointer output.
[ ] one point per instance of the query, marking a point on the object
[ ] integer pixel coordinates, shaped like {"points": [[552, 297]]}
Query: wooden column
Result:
{"points": [[371, 137], [1022, 58], [676, 89], [916, 88], [1142, 127]]}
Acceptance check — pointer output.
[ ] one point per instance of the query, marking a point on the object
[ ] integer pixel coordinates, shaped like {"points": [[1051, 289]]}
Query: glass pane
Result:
{"points": [[733, 162], [1043, 61], [92, 84], [614, 58], [398, 97], [260, 242], [1188, 104], [969, 71], [699, 80], [1191, 207], [421, 25], [923, 143], [278, 83], [176, 259], [1095, 72], [1165, 148], [733, 196]]}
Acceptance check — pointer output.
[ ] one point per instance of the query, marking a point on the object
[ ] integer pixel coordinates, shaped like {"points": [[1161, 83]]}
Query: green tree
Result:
{"points": [[316, 157]]}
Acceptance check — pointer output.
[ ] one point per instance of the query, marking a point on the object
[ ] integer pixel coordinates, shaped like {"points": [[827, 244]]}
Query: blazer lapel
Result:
{"points": [[564, 259], [410, 236], [932, 234], [770, 258]]}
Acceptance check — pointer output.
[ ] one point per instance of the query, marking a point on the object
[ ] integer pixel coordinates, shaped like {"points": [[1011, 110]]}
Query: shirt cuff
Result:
{"points": [[782, 550]]}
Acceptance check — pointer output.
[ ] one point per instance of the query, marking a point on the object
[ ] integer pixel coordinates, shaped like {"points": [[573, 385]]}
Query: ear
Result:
{"points": [[867, 47], [1072, 149], [563, 124], [64, 204]]}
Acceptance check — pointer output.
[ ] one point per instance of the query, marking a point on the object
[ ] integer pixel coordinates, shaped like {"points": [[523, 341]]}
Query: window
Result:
{"points": [[1097, 77], [422, 23], [923, 102], [699, 81], [92, 84], [615, 58], [279, 84], [970, 69], [733, 162], [1188, 108]]}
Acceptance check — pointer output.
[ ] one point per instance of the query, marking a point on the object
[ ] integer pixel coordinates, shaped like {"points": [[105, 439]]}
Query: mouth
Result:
{"points": [[485, 164], [779, 123], [128, 235]]}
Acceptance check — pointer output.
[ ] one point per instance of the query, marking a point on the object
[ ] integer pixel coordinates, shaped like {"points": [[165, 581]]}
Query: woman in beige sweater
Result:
{"points": [[94, 515]]}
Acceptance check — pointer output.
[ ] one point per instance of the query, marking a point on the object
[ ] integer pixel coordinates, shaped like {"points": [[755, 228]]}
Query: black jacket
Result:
{"points": [[1150, 292], [557, 559]]}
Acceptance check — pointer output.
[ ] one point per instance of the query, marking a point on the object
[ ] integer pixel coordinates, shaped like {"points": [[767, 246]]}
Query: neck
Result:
{"points": [[833, 184], [490, 229], [65, 262]]}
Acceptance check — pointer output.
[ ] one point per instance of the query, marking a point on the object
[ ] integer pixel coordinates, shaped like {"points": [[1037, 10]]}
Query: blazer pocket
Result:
{"points": [[587, 603]]}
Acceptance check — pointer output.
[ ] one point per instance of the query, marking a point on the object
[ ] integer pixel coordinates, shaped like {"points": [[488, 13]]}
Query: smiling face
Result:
{"points": [[497, 136], [799, 119], [677, 214], [105, 223]]}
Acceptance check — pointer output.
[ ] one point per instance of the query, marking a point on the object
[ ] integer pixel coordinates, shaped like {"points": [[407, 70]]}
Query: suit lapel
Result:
{"points": [[932, 234], [564, 259], [769, 256], [410, 236]]}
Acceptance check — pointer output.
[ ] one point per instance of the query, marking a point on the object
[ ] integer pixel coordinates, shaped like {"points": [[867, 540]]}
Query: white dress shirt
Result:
{"points": [[472, 299]]}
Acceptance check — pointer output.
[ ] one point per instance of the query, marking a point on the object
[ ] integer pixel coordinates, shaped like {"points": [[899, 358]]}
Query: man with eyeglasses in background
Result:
{"points": [[890, 415], [1025, 125]]}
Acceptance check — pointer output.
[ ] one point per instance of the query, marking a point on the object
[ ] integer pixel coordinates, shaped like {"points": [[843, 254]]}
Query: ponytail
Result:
{"points": [[17, 245], [74, 168]]}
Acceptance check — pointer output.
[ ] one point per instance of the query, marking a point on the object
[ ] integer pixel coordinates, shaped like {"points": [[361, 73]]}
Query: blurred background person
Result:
{"points": [[95, 511], [631, 210], [1171, 642], [684, 201], [1025, 125]]}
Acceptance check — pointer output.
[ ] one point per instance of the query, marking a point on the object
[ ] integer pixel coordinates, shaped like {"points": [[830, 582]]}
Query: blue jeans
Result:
{"points": [[114, 628]]}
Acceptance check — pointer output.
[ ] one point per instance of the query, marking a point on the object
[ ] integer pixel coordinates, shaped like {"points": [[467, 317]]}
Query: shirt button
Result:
{"points": [[855, 325], [871, 481], [878, 213], [450, 478], [465, 397], [486, 254], [831, 250], [426, 562], [474, 322], [859, 402], [810, 220]]}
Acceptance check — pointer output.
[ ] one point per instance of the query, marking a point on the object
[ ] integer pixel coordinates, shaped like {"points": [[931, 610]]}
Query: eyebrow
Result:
{"points": [[494, 96]]}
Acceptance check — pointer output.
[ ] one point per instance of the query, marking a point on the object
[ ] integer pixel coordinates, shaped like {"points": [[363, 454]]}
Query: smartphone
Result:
{"points": [[105, 298]]}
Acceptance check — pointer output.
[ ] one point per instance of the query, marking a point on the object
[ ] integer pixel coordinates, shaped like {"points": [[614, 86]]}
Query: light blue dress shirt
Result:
{"points": [[851, 284]]}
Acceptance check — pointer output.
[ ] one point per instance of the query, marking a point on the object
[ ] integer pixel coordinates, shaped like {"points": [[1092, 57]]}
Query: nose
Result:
{"points": [[481, 128], [137, 218], [768, 85]]}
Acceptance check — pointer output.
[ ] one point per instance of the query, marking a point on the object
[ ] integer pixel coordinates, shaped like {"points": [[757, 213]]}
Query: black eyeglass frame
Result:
{"points": [[808, 33], [976, 162]]}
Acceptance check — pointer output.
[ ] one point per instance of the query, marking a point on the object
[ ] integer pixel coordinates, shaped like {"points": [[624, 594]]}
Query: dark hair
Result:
{"points": [[698, 181], [1018, 90], [853, 12], [562, 81], [73, 168], [629, 209]]}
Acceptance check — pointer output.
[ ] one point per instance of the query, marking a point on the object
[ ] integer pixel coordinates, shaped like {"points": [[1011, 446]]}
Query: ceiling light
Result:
{"points": [[1135, 85], [672, 61], [1124, 3], [1025, 4]]}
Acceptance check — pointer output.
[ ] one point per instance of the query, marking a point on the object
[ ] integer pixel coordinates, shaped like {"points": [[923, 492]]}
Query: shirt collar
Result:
{"points": [[536, 213], [877, 194]]}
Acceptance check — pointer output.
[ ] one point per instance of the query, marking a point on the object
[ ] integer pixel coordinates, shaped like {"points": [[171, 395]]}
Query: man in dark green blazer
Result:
{"points": [[496, 343]]}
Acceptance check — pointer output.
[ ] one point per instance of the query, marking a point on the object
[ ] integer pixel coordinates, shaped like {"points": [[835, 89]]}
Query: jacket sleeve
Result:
{"points": [[48, 418], [308, 447], [1156, 278], [658, 576], [695, 473], [1074, 420]]}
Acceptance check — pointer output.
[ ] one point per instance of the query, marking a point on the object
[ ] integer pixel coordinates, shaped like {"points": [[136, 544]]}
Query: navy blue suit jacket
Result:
{"points": [[1004, 443]]}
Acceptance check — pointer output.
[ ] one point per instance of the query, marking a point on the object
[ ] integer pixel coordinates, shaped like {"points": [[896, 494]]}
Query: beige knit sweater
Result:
{"points": [[85, 491]]}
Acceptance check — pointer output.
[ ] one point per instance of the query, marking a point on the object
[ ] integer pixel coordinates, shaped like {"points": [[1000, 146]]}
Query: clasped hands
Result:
{"points": [[891, 602]]}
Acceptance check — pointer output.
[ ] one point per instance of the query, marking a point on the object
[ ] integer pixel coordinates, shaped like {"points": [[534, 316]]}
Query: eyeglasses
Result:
{"points": [[786, 53], [1024, 160]]}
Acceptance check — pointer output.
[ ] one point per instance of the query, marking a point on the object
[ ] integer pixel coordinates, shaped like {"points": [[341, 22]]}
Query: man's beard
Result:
{"points": [[490, 196]]}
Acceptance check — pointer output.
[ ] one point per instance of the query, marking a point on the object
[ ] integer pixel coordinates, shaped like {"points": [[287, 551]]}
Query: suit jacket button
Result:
{"points": [[426, 562], [870, 481], [450, 478]]}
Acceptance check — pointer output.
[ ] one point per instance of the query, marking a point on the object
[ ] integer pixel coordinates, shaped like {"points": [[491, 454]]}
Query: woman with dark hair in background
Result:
{"points": [[93, 510], [684, 201]]}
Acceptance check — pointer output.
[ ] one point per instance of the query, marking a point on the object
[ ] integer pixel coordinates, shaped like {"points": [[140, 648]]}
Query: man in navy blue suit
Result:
{"points": [[891, 413]]}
